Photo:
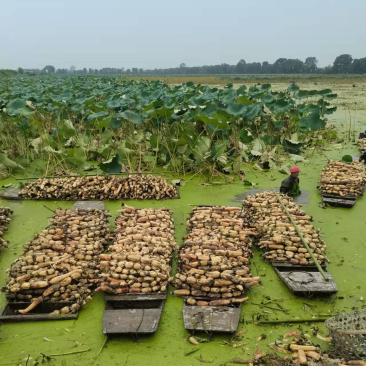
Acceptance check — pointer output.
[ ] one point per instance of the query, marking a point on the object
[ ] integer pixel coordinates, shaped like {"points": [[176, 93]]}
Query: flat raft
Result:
{"points": [[10, 314], [221, 319], [132, 313], [305, 280]]}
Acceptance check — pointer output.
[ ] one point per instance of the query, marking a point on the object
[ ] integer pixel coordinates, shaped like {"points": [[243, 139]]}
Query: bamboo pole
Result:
{"points": [[302, 238], [286, 321]]}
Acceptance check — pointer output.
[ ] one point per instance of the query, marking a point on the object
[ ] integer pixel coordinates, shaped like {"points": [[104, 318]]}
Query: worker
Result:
{"points": [[291, 185]]}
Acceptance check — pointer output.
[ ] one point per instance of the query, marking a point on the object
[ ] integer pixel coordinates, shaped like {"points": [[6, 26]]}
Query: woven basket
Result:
{"points": [[349, 333]]}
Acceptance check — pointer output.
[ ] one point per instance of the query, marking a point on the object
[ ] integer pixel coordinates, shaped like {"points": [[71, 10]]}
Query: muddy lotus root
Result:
{"points": [[214, 258], [275, 232], [139, 259], [99, 187], [60, 263], [343, 179], [361, 144], [5, 219]]}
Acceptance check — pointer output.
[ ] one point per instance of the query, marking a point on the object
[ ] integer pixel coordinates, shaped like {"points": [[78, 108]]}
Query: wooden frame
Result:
{"points": [[218, 319], [305, 280], [338, 201], [10, 312], [132, 313]]}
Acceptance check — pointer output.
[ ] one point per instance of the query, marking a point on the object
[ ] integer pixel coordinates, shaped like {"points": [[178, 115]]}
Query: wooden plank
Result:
{"points": [[136, 297], [133, 313], [211, 318], [10, 194], [127, 321], [337, 201], [307, 282], [35, 317], [296, 266], [10, 314], [85, 205]]}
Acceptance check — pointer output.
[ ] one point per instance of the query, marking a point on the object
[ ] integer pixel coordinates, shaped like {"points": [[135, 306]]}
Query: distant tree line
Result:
{"points": [[343, 64]]}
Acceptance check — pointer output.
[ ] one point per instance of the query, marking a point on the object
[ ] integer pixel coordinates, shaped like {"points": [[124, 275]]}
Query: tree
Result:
{"points": [[182, 65], [20, 70], [311, 65], [342, 64], [128, 71], [279, 66], [49, 69], [240, 67], [359, 66], [135, 70], [254, 68], [266, 67], [72, 68]]}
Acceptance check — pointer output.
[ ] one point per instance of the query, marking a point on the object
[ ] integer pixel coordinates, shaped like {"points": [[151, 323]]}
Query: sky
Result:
{"points": [[164, 33]]}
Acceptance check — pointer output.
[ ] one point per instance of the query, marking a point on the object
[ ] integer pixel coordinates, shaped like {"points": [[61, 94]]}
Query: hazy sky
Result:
{"points": [[164, 33]]}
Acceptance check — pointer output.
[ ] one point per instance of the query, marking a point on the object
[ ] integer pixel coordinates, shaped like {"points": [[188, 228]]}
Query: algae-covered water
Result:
{"points": [[342, 229]]}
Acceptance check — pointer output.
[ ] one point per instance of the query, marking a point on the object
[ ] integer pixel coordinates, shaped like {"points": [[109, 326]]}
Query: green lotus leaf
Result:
{"points": [[111, 166], [293, 88], [98, 115], [131, 116], [347, 159], [246, 136], [312, 121], [244, 100], [115, 123], [218, 150]]}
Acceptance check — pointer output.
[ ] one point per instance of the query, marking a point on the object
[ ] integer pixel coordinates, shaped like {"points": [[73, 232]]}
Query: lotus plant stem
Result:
{"points": [[69, 353], [302, 238]]}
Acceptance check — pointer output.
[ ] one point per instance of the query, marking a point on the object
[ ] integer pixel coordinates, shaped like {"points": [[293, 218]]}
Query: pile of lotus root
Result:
{"points": [[60, 263], [139, 259], [5, 212], [343, 179], [214, 258], [361, 144], [99, 187], [275, 232]]}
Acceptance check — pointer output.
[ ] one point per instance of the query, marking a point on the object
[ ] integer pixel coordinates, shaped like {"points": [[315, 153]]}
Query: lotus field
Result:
{"points": [[66, 124]]}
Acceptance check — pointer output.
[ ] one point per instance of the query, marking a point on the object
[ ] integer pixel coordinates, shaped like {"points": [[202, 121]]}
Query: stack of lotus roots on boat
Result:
{"points": [[5, 219], [102, 187], [213, 260], [343, 179], [139, 261], [60, 263], [361, 144], [264, 214]]}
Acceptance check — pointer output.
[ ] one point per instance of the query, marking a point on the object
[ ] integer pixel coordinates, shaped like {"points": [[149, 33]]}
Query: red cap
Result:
{"points": [[294, 169]]}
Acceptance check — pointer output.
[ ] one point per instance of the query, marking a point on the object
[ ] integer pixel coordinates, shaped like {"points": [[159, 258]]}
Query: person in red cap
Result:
{"points": [[291, 185]]}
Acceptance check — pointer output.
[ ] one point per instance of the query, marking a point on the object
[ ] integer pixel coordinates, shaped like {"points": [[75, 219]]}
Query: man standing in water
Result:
{"points": [[291, 185]]}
